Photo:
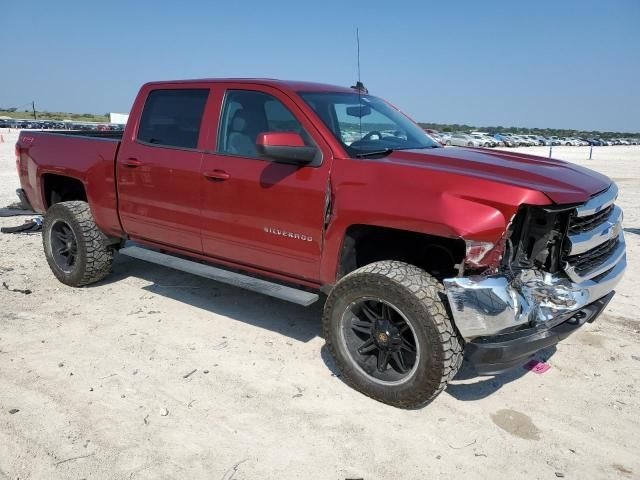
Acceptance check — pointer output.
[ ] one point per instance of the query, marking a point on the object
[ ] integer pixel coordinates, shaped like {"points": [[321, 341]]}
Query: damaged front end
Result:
{"points": [[552, 266], [484, 306]]}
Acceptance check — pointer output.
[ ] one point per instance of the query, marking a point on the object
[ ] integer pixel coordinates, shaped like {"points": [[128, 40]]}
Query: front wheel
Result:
{"points": [[388, 329], [75, 248]]}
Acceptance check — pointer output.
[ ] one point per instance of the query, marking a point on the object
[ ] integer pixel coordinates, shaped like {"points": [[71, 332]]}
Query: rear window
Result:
{"points": [[172, 117]]}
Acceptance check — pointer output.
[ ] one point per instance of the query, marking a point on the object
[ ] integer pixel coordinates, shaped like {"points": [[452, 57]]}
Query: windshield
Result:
{"points": [[366, 125]]}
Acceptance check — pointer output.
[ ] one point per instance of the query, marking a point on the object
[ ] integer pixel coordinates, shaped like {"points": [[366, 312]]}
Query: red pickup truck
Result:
{"points": [[426, 254]]}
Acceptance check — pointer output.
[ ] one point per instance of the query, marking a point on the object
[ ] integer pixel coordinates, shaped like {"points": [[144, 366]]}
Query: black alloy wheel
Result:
{"points": [[380, 340], [76, 250], [64, 245]]}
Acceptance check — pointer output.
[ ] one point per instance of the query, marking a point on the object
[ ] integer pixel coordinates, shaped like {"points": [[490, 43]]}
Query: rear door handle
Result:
{"points": [[217, 175], [132, 162]]}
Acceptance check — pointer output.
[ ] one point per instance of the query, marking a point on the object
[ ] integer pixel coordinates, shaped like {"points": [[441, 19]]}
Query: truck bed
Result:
{"points": [[87, 156], [111, 135]]}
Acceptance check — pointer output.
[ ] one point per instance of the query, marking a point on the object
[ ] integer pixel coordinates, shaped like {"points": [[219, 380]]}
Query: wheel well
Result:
{"points": [[364, 244], [58, 188]]}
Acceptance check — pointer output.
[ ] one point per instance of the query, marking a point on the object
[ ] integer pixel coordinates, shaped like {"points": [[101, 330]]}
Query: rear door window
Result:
{"points": [[172, 118]]}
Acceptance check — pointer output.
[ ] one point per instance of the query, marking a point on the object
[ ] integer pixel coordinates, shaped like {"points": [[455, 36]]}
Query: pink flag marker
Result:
{"points": [[536, 367]]}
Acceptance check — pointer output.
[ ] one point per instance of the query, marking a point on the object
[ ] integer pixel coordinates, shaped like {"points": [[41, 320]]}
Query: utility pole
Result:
{"points": [[33, 106]]}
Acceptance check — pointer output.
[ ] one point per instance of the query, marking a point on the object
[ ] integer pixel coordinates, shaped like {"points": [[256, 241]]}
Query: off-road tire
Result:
{"points": [[94, 257], [421, 299]]}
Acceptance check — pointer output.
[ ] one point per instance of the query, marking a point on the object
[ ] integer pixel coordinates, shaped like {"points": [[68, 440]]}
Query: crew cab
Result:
{"points": [[425, 254]]}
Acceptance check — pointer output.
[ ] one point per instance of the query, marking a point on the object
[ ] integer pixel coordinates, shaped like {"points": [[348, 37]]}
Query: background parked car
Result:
{"points": [[437, 136], [445, 137], [505, 139], [542, 141], [569, 142], [463, 140], [488, 138], [522, 141], [485, 140], [530, 141]]}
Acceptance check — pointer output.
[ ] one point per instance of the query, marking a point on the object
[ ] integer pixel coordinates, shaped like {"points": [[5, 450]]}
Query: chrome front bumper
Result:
{"points": [[483, 306]]}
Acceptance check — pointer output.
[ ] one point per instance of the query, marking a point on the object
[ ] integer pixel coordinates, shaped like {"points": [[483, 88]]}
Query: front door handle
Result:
{"points": [[132, 162], [217, 175]]}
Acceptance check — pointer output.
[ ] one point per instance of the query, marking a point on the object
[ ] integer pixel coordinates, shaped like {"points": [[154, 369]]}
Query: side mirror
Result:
{"points": [[285, 147]]}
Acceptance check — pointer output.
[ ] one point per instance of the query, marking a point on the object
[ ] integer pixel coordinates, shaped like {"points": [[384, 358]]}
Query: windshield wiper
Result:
{"points": [[422, 148], [386, 151]]}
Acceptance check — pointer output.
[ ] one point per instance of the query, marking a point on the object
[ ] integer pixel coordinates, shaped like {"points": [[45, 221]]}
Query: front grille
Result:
{"points": [[594, 243], [592, 259], [585, 224]]}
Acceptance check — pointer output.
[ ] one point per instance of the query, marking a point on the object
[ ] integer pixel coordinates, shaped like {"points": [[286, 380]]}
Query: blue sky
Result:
{"points": [[573, 64]]}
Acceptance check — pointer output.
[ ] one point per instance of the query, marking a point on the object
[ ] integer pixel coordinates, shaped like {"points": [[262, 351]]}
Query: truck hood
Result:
{"points": [[562, 182]]}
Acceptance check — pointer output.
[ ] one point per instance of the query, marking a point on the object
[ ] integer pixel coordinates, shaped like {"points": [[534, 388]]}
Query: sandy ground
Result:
{"points": [[158, 374]]}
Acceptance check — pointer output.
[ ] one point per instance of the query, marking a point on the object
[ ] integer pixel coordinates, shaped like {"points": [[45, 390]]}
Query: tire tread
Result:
{"points": [[98, 256], [448, 345]]}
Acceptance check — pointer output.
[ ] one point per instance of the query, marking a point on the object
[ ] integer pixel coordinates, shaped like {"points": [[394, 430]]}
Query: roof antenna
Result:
{"points": [[359, 86]]}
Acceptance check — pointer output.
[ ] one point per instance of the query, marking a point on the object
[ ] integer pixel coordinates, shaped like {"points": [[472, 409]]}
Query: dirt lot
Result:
{"points": [[158, 374]]}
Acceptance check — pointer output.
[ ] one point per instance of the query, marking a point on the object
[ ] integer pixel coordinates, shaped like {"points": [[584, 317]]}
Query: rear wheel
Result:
{"points": [[389, 332], [75, 248]]}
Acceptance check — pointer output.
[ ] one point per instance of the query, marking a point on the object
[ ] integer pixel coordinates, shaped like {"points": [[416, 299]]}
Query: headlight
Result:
{"points": [[477, 252]]}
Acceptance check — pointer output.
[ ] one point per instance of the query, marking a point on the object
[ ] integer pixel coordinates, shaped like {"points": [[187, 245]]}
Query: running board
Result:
{"points": [[232, 278]]}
